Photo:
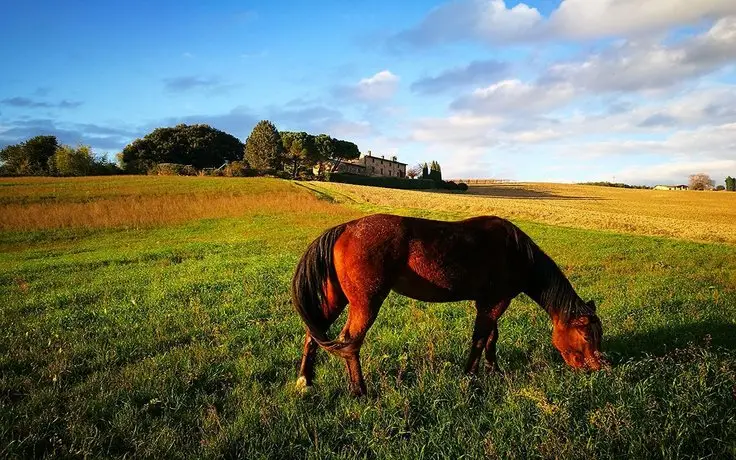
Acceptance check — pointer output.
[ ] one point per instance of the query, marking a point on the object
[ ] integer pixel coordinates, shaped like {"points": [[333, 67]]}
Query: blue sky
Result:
{"points": [[545, 90]]}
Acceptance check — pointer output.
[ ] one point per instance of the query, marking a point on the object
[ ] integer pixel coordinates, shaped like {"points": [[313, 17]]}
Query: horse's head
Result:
{"points": [[579, 341]]}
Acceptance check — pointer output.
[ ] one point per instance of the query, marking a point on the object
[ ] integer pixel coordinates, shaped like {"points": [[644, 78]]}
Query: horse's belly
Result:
{"points": [[411, 284]]}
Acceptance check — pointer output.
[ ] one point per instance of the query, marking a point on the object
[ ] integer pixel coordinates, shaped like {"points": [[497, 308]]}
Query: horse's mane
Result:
{"points": [[547, 285]]}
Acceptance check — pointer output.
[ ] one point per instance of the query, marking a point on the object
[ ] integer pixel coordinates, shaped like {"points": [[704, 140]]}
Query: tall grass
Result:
{"points": [[147, 205]]}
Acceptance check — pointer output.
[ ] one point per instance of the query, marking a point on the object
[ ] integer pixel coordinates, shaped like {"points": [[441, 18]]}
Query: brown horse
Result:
{"points": [[485, 259]]}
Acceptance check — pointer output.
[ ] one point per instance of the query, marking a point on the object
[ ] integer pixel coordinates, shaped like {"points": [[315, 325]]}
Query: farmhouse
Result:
{"points": [[369, 165], [670, 187]]}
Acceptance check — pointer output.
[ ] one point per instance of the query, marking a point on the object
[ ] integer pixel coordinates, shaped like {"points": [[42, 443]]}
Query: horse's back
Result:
{"points": [[425, 259]]}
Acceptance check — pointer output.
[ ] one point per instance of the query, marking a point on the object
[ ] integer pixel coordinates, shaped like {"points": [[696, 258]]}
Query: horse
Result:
{"points": [[485, 259]]}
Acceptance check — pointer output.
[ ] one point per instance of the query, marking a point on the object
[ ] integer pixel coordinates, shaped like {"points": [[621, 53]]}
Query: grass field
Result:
{"points": [[151, 317]]}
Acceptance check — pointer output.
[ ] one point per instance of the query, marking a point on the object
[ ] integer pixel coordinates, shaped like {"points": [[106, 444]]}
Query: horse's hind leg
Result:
{"points": [[361, 315], [336, 303]]}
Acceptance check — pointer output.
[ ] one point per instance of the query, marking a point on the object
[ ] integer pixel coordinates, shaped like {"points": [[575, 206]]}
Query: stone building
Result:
{"points": [[369, 165], [375, 166]]}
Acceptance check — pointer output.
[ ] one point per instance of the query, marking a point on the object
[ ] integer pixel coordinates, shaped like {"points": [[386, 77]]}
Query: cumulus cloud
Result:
{"points": [[589, 19], [379, 87], [486, 20], [676, 172], [634, 65], [477, 72], [493, 22], [514, 97], [463, 131]]}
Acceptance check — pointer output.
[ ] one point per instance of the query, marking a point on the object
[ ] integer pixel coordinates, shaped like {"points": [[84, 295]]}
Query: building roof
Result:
{"points": [[386, 159]]}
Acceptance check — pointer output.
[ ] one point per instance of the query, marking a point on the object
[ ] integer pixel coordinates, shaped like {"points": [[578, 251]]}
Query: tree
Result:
{"points": [[730, 184], [334, 151], [300, 150], [344, 151], [414, 171], [435, 173], [700, 181], [263, 149], [70, 161], [201, 146], [29, 158], [425, 171]]}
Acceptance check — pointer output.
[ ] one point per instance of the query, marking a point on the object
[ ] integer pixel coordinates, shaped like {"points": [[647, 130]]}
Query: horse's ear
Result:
{"points": [[591, 304], [580, 321]]}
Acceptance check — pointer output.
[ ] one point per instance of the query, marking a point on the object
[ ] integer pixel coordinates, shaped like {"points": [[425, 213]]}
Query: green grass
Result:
{"points": [[181, 342]]}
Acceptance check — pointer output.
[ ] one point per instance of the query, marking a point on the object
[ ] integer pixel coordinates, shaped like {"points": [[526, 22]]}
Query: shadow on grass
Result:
{"points": [[513, 192], [719, 334]]}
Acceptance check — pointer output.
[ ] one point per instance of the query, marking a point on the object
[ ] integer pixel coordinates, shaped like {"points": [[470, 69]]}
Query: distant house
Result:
{"points": [[670, 187], [369, 165]]}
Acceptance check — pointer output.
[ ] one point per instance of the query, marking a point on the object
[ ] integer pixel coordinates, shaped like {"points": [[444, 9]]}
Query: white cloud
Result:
{"points": [[637, 65], [486, 20], [514, 97], [605, 18], [458, 131], [676, 172], [379, 87], [493, 22]]}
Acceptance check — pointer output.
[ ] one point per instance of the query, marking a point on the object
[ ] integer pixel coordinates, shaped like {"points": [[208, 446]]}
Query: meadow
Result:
{"points": [[151, 317]]}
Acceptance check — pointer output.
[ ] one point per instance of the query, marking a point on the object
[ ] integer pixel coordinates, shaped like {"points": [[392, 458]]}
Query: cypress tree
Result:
{"points": [[264, 149]]}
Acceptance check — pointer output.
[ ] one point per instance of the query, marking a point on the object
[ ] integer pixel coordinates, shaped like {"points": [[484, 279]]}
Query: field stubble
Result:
{"points": [[701, 216]]}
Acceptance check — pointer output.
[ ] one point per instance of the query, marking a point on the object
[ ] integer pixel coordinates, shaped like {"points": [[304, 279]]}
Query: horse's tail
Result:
{"points": [[308, 287]]}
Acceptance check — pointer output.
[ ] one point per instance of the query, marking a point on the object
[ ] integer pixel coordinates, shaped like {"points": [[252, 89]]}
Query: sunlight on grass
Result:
{"points": [[174, 336], [703, 216]]}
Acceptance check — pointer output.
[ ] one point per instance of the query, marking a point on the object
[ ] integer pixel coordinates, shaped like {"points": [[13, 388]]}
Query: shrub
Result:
{"points": [[172, 169], [450, 185], [462, 186], [237, 169]]}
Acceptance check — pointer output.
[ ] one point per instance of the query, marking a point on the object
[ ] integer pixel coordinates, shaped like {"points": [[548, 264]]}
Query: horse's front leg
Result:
{"points": [[481, 331], [495, 314]]}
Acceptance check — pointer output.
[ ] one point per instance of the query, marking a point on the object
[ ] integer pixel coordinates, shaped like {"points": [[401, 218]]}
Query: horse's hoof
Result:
{"points": [[302, 386], [493, 369]]}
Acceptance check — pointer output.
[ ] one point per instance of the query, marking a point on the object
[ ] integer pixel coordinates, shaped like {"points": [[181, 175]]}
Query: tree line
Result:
{"points": [[44, 156], [199, 147]]}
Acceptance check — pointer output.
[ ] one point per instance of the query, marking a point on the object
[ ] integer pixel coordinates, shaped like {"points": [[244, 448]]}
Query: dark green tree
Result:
{"points": [[730, 184], [201, 146], [425, 171], [435, 173], [29, 158], [264, 150], [344, 151], [332, 151], [300, 151]]}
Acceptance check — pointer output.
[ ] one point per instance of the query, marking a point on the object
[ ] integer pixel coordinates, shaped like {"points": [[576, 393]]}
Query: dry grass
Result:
{"points": [[147, 201], [43, 204], [701, 216]]}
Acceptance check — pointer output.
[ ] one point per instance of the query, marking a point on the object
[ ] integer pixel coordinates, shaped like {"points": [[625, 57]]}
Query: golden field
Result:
{"points": [[692, 215], [148, 201]]}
